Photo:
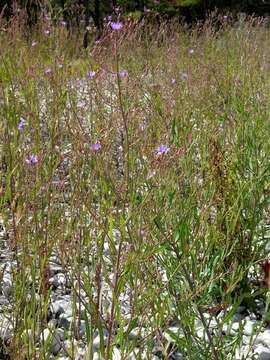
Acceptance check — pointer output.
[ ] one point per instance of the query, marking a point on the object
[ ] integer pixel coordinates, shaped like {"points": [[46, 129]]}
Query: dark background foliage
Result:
{"points": [[73, 11], [96, 9]]}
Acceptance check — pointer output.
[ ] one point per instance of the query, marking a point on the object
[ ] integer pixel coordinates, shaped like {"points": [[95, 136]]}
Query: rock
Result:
{"points": [[260, 307], [61, 306], [265, 355], [177, 356], [171, 332], [96, 342], [27, 334], [264, 339], [263, 352], [65, 321], [134, 354], [7, 288], [58, 280], [137, 334], [96, 356], [6, 328], [249, 327], [69, 346], [116, 354], [4, 301], [80, 353], [231, 329], [82, 328], [241, 310], [52, 324], [54, 339], [55, 268], [237, 317], [242, 352]]}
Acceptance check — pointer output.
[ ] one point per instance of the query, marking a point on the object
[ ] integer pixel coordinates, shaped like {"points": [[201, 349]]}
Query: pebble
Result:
{"points": [[264, 339], [58, 280], [6, 328], [116, 354], [97, 342], [54, 338], [62, 311], [7, 288], [249, 328], [80, 353], [175, 330], [65, 321], [263, 352], [4, 301], [63, 305], [137, 334]]}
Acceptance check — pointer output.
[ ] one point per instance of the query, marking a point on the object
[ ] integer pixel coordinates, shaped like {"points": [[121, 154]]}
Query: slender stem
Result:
{"points": [[125, 120], [115, 293], [191, 286]]}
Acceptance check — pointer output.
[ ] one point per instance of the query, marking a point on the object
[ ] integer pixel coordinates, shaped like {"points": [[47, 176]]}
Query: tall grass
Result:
{"points": [[171, 235]]}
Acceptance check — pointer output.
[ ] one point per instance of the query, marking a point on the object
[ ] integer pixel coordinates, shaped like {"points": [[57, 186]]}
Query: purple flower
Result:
{"points": [[63, 23], [109, 18], [34, 43], [123, 73], [47, 32], [48, 71], [173, 81], [96, 147], [22, 124], [191, 51], [32, 159], [91, 74], [162, 149], [116, 25], [141, 232]]}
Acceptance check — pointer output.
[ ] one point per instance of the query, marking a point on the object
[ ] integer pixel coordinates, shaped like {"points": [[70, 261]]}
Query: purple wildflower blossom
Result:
{"points": [[48, 71], [63, 23], [91, 74], [162, 149], [141, 232], [123, 73], [116, 25], [47, 32], [191, 51], [34, 43], [173, 81], [96, 147], [32, 159], [22, 124]]}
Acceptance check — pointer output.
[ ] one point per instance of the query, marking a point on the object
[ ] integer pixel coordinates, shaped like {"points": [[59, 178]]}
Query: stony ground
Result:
{"points": [[65, 310]]}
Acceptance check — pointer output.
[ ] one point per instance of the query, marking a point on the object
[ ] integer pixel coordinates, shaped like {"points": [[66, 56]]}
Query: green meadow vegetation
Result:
{"points": [[142, 165]]}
